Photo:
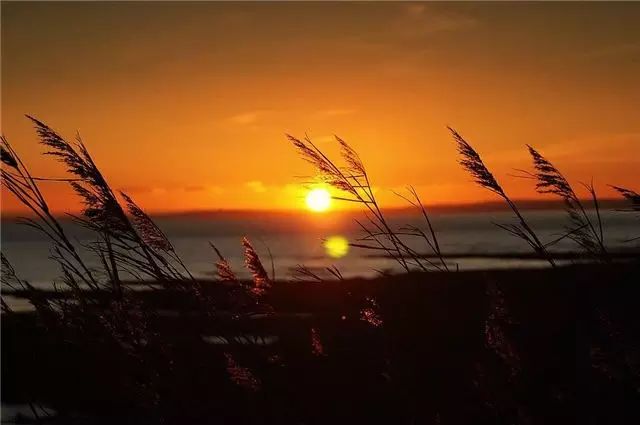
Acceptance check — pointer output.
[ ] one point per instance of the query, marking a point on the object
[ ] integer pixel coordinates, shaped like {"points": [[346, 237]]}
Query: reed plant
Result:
{"points": [[630, 195], [96, 305], [352, 181], [100, 312], [471, 161], [586, 232]]}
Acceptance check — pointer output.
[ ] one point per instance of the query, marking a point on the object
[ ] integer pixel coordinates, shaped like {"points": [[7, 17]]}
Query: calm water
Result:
{"points": [[294, 240]]}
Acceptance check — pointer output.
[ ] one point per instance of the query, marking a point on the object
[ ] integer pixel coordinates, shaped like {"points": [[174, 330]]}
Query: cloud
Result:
{"points": [[256, 186], [613, 147], [245, 118], [134, 189], [329, 113], [418, 20], [163, 190], [216, 190], [324, 139], [209, 189], [194, 188], [596, 148], [159, 190], [613, 51]]}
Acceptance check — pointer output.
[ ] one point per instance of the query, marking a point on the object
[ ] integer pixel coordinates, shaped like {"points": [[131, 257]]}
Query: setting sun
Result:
{"points": [[318, 200]]}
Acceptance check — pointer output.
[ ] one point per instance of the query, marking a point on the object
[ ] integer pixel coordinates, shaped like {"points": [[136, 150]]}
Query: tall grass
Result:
{"points": [[630, 195], [472, 162], [100, 312], [96, 305], [633, 199], [353, 182], [583, 230]]}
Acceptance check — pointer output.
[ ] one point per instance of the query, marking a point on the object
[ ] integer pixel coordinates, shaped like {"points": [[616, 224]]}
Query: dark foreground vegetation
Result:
{"points": [[525, 346], [433, 345]]}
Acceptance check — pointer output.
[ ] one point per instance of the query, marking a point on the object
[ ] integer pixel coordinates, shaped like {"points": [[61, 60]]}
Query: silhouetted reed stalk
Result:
{"points": [[135, 245], [247, 298], [128, 242], [19, 181], [223, 269], [634, 203], [632, 196], [431, 241], [302, 273], [10, 279], [582, 230], [472, 162], [353, 181], [261, 281], [119, 319]]}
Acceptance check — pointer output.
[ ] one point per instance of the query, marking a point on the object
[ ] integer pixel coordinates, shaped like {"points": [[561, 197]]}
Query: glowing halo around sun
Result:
{"points": [[336, 246], [318, 200]]}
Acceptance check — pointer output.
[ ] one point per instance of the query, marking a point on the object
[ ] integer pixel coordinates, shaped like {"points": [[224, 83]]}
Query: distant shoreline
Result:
{"points": [[477, 207]]}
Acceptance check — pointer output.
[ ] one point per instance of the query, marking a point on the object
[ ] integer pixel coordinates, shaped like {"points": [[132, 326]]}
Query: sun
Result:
{"points": [[318, 200]]}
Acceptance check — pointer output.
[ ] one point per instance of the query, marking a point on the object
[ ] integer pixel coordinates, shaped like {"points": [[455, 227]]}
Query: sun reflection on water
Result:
{"points": [[336, 246]]}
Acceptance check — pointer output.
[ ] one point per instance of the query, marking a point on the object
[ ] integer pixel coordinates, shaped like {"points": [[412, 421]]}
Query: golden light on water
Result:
{"points": [[336, 246], [318, 200]]}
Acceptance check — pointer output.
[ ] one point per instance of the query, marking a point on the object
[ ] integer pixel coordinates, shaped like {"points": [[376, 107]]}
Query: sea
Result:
{"points": [[472, 241]]}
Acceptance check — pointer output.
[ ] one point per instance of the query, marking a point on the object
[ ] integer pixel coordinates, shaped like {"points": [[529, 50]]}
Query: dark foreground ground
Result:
{"points": [[522, 346]]}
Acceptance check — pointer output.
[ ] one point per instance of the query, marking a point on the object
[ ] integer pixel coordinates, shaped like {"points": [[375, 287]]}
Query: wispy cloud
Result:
{"points": [[194, 188], [615, 50], [329, 113], [612, 147], [417, 20], [163, 190], [256, 186], [329, 138], [598, 148], [135, 189], [245, 118]]}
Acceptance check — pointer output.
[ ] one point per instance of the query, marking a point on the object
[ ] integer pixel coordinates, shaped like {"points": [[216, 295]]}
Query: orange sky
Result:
{"points": [[185, 106]]}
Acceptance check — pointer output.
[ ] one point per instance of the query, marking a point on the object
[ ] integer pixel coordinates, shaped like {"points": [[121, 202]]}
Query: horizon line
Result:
{"points": [[481, 206]]}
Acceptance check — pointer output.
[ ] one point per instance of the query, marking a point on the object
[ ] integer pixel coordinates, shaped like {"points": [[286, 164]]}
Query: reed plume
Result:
{"points": [[101, 208], [630, 195], [472, 162], [241, 376], [582, 230], [25, 187], [223, 269], [353, 180], [261, 281], [371, 313], [634, 203], [7, 157], [155, 238], [150, 233], [317, 348], [135, 245]]}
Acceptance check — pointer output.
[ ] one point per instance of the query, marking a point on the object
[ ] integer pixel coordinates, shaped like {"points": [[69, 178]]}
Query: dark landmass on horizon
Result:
{"points": [[489, 206]]}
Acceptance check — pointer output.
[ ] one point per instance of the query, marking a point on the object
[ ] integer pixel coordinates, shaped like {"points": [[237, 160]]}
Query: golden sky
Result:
{"points": [[185, 106]]}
